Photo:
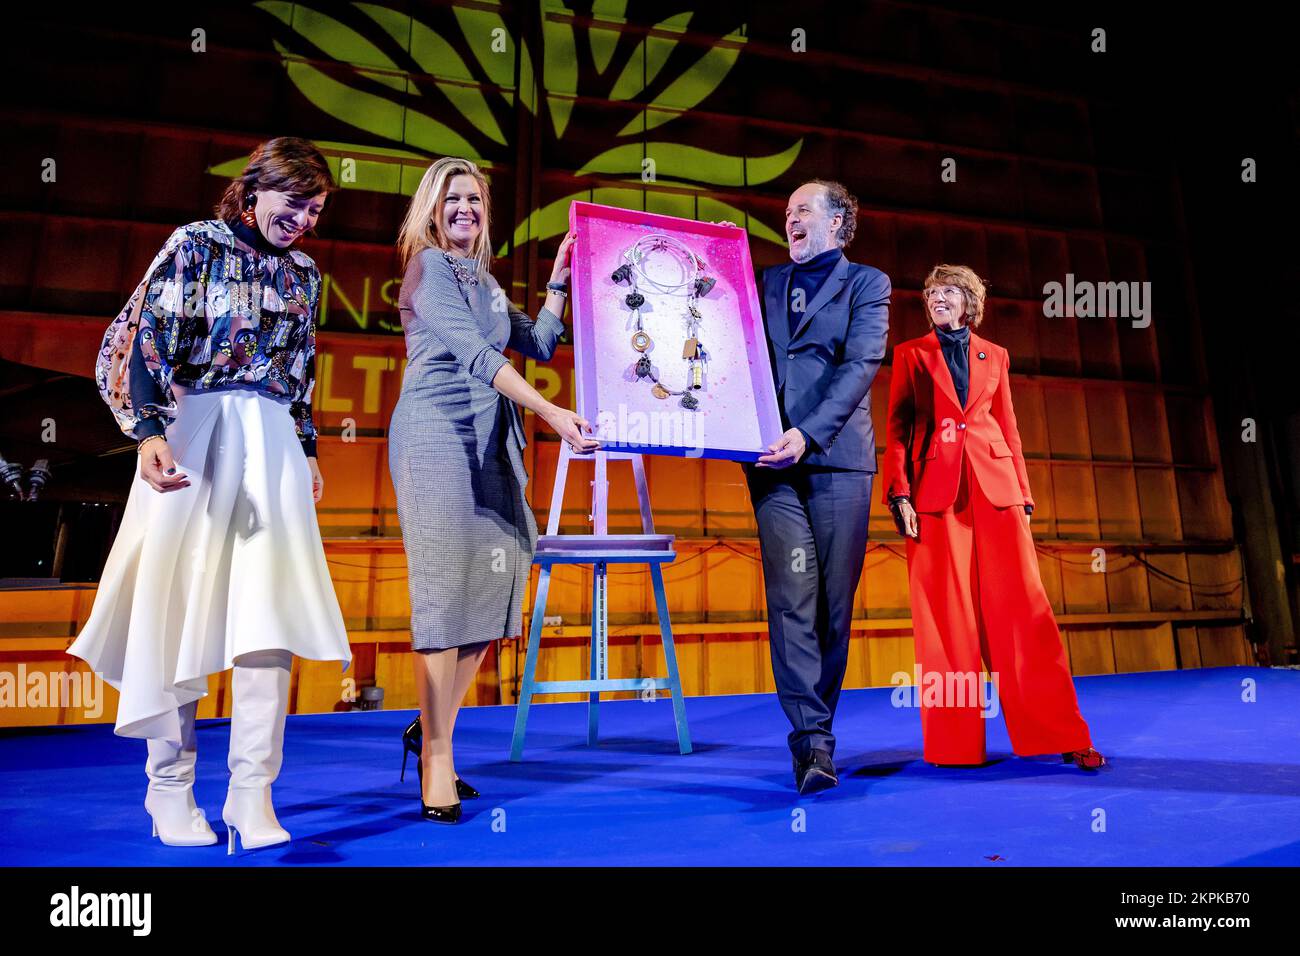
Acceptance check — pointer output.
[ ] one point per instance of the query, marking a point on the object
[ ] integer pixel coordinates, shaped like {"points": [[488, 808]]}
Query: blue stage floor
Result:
{"points": [[1199, 778]]}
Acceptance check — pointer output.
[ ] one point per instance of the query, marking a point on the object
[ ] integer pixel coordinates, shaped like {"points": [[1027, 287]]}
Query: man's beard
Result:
{"points": [[816, 243]]}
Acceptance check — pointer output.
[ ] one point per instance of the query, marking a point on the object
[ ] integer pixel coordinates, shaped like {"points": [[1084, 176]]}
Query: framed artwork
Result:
{"points": [[670, 354]]}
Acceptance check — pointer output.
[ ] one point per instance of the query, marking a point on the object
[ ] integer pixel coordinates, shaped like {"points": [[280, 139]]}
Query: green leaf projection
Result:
{"points": [[453, 93]]}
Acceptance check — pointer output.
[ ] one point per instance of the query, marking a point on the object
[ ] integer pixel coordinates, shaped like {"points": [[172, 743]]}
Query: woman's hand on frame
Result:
{"points": [[571, 427], [560, 271]]}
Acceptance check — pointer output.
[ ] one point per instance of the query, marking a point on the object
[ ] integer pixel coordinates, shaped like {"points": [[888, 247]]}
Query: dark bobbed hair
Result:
{"points": [[284, 164]]}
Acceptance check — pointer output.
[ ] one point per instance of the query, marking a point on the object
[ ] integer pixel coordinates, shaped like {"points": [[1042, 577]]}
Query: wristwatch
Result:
{"points": [[559, 288]]}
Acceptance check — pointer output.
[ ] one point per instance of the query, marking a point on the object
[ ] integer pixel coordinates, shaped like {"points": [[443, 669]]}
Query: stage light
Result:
{"points": [[37, 477], [12, 475]]}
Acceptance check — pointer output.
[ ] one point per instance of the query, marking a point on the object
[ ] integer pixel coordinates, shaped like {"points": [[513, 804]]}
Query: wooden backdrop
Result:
{"points": [[1054, 176]]}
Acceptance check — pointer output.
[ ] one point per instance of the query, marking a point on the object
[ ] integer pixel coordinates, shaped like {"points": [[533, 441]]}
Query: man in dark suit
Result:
{"points": [[827, 319]]}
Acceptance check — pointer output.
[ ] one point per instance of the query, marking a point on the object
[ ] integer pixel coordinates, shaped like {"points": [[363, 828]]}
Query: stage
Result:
{"points": [[1198, 778]]}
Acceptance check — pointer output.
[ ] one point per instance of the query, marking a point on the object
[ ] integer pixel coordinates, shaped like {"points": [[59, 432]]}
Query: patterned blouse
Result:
{"points": [[219, 307]]}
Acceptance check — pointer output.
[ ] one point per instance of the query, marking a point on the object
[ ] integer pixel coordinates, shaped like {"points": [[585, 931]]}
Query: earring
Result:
{"points": [[248, 217]]}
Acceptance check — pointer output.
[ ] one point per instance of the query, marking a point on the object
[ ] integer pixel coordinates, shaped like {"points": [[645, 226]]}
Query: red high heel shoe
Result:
{"points": [[1088, 759]]}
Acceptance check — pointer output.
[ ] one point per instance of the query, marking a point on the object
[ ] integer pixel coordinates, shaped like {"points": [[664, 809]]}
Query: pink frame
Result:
{"points": [[738, 417]]}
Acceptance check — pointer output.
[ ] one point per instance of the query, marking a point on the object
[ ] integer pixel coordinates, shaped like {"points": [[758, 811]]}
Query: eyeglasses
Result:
{"points": [[944, 291]]}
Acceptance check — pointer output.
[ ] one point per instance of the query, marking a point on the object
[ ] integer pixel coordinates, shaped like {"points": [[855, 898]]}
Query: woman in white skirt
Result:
{"points": [[218, 562]]}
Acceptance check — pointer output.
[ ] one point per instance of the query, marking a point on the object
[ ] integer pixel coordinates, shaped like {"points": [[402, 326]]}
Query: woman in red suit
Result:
{"points": [[957, 486]]}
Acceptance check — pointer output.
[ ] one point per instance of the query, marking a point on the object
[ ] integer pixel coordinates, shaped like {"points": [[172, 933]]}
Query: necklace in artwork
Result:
{"points": [[696, 284]]}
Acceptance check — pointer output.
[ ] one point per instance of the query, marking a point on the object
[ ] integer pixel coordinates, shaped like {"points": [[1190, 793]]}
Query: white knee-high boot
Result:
{"points": [[177, 820], [261, 701]]}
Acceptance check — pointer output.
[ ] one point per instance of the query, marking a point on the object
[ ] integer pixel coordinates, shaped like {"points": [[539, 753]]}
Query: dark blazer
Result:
{"points": [[824, 371]]}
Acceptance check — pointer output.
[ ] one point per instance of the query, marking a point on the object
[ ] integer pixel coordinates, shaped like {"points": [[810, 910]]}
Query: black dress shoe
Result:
{"points": [[449, 814], [465, 791], [816, 772]]}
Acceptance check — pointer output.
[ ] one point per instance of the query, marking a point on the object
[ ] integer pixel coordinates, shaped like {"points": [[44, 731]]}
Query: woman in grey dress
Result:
{"points": [[455, 453]]}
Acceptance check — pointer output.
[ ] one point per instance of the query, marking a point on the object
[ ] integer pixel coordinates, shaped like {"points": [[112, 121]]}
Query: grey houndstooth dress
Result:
{"points": [[455, 453]]}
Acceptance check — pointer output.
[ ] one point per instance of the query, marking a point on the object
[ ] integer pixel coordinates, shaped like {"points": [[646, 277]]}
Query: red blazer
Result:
{"points": [[929, 433]]}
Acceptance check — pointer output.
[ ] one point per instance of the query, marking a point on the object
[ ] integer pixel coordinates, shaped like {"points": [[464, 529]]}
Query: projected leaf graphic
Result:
{"points": [[430, 93]]}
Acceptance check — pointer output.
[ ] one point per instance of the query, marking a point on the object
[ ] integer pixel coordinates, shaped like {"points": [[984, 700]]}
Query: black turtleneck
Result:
{"points": [[956, 353], [809, 277], [252, 236]]}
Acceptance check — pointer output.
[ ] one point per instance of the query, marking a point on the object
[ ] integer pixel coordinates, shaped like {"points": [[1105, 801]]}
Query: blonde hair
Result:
{"points": [[422, 227], [972, 288]]}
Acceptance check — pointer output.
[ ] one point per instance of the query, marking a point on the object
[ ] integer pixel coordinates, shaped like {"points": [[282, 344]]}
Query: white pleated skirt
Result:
{"points": [[230, 565]]}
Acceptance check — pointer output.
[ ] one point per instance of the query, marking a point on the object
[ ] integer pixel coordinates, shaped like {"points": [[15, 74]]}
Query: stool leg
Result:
{"points": [[530, 664], [599, 647], [670, 657]]}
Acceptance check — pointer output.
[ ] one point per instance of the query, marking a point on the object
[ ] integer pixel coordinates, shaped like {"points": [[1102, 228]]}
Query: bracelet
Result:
{"points": [[559, 288], [146, 441]]}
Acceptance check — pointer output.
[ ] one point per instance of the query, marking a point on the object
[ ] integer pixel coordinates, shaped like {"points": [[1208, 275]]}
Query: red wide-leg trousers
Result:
{"points": [[977, 596]]}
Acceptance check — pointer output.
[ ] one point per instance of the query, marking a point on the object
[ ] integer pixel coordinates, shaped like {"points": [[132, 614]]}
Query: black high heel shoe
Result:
{"points": [[441, 814], [449, 814], [413, 743]]}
